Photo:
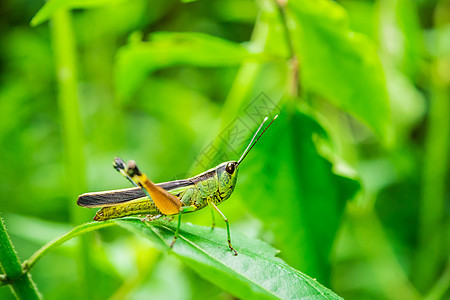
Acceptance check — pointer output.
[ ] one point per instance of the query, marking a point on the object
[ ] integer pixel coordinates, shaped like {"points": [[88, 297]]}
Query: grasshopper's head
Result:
{"points": [[227, 174], [227, 171]]}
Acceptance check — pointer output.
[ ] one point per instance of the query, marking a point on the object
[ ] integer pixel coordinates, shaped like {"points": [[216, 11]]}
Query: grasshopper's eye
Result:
{"points": [[230, 168]]}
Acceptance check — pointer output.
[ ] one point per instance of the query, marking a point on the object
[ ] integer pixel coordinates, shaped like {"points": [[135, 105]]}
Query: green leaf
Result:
{"points": [[137, 60], [338, 64], [295, 191], [52, 6], [255, 273]]}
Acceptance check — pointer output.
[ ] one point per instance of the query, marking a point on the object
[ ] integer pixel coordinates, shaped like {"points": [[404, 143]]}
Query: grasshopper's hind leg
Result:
{"points": [[213, 219], [121, 167], [177, 231], [228, 226]]}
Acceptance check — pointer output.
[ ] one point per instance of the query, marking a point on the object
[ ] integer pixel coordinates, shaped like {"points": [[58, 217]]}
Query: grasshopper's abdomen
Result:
{"points": [[143, 207]]}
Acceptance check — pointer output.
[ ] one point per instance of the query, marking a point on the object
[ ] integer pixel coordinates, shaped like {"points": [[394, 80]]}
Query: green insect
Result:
{"points": [[169, 198]]}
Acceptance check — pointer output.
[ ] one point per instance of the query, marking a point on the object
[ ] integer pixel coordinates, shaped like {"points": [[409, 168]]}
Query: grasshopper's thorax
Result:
{"points": [[227, 176]]}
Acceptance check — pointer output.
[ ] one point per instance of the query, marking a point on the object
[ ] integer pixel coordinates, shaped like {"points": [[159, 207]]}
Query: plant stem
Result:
{"points": [[293, 83], [84, 228], [65, 59], [432, 249], [21, 283], [434, 184]]}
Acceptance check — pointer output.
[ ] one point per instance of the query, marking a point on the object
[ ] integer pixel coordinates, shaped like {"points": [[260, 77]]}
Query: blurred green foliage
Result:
{"points": [[351, 183]]}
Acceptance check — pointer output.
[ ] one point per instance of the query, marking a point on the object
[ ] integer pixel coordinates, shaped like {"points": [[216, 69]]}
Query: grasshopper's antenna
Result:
{"points": [[251, 144]]}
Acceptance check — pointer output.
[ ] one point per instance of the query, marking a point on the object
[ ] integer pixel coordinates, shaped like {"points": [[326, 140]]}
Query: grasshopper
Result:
{"points": [[211, 187]]}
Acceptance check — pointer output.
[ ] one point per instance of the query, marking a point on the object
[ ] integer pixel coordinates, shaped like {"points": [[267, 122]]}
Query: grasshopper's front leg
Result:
{"points": [[213, 218], [184, 209], [228, 226], [186, 197]]}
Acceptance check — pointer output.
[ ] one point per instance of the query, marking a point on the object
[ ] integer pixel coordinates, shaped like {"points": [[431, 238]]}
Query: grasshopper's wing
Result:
{"points": [[115, 197], [110, 198]]}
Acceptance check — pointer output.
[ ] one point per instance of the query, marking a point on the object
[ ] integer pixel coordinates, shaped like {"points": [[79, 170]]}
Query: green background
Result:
{"points": [[351, 183]]}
